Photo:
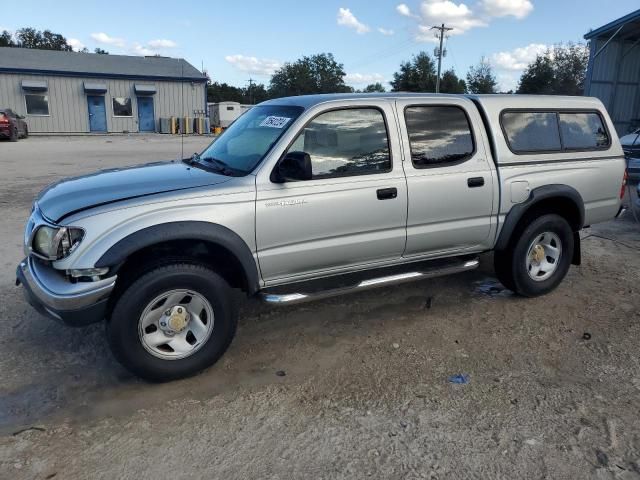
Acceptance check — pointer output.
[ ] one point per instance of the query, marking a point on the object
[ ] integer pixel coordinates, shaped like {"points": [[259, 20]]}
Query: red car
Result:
{"points": [[12, 125]]}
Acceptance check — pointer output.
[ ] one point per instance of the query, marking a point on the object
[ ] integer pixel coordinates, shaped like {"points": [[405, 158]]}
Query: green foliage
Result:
{"points": [[481, 79], [374, 88], [44, 40], [417, 75], [223, 92], [6, 39], [559, 71], [450, 83], [318, 73], [100, 51]]}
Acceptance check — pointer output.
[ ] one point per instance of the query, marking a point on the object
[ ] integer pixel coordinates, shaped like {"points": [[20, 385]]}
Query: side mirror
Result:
{"points": [[294, 167]]}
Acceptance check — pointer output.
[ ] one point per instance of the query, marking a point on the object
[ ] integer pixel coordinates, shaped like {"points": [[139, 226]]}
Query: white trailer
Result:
{"points": [[223, 114]]}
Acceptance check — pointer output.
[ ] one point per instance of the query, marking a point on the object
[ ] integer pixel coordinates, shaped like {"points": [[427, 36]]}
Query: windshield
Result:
{"points": [[247, 140]]}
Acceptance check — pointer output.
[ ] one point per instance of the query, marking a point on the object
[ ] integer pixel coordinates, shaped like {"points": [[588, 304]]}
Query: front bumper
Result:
{"points": [[50, 293]]}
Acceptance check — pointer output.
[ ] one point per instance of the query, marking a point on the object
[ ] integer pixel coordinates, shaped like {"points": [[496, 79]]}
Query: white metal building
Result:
{"points": [[69, 92], [613, 74]]}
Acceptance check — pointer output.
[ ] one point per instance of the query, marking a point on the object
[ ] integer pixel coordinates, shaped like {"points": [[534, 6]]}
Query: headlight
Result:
{"points": [[55, 243]]}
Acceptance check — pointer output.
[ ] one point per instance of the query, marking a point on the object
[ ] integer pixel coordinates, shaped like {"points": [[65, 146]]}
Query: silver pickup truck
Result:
{"points": [[311, 196]]}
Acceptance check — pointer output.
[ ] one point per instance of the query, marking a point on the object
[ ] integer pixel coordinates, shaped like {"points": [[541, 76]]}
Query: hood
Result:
{"points": [[107, 186]]}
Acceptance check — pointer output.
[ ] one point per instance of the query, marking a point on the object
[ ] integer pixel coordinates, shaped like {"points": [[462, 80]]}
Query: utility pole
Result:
{"points": [[250, 90], [441, 32]]}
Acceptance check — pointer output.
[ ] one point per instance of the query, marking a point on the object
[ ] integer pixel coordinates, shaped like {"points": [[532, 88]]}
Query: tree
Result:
{"points": [[6, 39], [417, 75], [223, 92], [44, 40], [374, 88], [450, 83], [319, 73], [481, 79], [559, 71], [100, 51]]}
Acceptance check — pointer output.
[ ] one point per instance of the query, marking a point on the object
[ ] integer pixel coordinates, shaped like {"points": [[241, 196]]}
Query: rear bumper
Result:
{"points": [[49, 292]]}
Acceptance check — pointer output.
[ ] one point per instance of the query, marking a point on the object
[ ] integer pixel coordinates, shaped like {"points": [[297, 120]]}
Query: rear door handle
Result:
{"points": [[387, 193], [475, 182]]}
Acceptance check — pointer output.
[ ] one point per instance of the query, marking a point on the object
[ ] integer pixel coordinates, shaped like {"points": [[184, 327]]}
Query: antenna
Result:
{"points": [[182, 109]]}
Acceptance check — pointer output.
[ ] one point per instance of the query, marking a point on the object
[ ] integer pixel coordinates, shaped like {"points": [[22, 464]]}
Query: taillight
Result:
{"points": [[3, 118], [624, 184]]}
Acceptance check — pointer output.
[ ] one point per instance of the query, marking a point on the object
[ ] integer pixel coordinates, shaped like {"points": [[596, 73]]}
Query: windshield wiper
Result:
{"points": [[221, 166]]}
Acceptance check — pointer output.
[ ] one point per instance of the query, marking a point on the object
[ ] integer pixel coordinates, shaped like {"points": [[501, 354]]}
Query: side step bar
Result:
{"points": [[461, 265]]}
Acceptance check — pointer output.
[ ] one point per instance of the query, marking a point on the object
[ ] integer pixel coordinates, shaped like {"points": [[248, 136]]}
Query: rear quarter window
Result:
{"points": [[583, 131], [531, 131]]}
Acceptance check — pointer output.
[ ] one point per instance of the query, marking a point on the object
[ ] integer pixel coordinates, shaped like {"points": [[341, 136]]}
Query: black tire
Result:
{"points": [[13, 137], [122, 327], [510, 264], [26, 132]]}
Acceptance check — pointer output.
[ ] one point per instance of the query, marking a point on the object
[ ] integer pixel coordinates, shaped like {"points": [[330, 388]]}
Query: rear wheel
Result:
{"points": [[172, 322], [26, 132], [539, 258], [13, 137]]}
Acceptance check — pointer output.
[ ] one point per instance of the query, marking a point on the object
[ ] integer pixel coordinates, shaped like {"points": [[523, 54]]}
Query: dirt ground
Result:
{"points": [[553, 391]]}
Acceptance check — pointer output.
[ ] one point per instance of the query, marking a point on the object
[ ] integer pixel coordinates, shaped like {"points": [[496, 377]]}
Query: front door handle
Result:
{"points": [[475, 182], [387, 193]]}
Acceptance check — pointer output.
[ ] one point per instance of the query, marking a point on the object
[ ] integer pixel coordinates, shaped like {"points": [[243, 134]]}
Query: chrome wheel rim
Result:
{"points": [[543, 256], [176, 324]]}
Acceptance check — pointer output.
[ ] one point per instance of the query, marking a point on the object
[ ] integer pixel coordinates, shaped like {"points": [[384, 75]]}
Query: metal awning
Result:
{"points": [[34, 85], [95, 87], [141, 89]]}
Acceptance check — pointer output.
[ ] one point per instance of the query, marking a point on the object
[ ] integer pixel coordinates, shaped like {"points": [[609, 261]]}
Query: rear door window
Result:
{"points": [[583, 131], [438, 135], [532, 131]]}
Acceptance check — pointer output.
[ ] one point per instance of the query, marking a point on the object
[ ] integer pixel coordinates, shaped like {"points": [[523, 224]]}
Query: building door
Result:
{"points": [[97, 113], [146, 118]]}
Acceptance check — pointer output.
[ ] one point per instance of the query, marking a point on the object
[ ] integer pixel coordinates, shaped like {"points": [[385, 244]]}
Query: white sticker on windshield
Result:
{"points": [[274, 122]]}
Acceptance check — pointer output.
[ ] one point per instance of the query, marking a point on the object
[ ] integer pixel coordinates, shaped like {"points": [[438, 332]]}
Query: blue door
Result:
{"points": [[97, 113], [146, 118]]}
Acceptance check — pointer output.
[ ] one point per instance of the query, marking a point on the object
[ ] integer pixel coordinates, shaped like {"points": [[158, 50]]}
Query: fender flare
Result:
{"points": [[186, 230], [536, 196]]}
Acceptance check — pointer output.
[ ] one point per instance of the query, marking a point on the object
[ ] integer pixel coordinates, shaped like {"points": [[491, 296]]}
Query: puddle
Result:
{"points": [[491, 287]]}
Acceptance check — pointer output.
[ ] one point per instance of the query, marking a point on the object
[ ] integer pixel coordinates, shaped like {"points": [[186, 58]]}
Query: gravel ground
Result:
{"points": [[553, 392]]}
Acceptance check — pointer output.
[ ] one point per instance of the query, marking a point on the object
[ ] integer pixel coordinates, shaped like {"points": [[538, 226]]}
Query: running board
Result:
{"points": [[427, 270]]}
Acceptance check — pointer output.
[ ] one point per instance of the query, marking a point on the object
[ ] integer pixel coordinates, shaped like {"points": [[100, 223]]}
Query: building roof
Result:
{"points": [[629, 25], [50, 62]]}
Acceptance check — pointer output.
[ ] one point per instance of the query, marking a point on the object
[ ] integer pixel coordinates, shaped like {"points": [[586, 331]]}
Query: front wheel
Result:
{"points": [[539, 258], [172, 322]]}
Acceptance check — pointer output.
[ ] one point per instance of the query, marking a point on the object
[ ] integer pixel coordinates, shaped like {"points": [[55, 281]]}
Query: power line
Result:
{"points": [[441, 33]]}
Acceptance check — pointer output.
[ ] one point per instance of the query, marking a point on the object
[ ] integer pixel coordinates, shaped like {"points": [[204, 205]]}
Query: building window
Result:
{"points": [[37, 104], [438, 135], [122, 107], [583, 131], [346, 142]]}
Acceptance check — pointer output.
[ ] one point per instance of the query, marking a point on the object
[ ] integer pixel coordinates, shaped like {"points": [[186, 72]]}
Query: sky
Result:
{"points": [[248, 39]]}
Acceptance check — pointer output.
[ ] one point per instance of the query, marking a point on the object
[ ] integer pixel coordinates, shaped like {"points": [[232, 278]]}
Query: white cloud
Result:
{"points": [[76, 44], [460, 16], [138, 49], [103, 38], [385, 32], [518, 58], [363, 78], [404, 10], [162, 43], [349, 20], [254, 65], [503, 8], [508, 81]]}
